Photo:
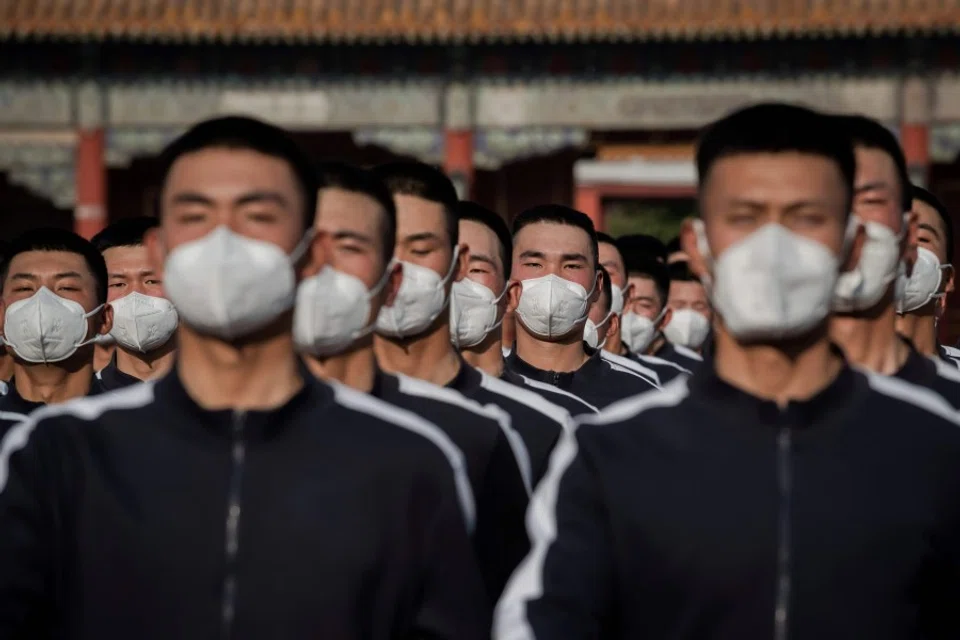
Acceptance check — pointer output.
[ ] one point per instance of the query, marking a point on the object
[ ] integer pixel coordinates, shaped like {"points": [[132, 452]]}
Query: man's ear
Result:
{"points": [[394, 280], [463, 260], [698, 263], [514, 289], [613, 328], [597, 288], [665, 320], [316, 256], [106, 320], [908, 244], [948, 278]]}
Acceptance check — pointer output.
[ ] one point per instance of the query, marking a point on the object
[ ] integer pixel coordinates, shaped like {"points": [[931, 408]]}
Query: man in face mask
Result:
{"points": [[645, 314], [144, 322], [235, 497], [866, 298], [475, 311], [690, 312], [555, 267], [336, 309], [54, 300], [921, 297], [777, 430], [612, 260]]}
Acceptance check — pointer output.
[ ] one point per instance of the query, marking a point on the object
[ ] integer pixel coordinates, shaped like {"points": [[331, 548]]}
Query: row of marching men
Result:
{"points": [[342, 403]]}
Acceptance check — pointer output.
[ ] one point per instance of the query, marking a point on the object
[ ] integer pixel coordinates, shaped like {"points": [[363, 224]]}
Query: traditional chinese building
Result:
{"points": [[590, 102]]}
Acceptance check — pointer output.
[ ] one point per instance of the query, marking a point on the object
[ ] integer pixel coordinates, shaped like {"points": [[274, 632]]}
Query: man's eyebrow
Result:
{"points": [[191, 197], [531, 253], [24, 276], [254, 197], [352, 235], [67, 274], [871, 186], [579, 257], [930, 228], [480, 257], [423, 235]]}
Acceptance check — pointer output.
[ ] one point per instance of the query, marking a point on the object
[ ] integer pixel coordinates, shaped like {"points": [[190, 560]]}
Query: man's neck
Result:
{"points": [[356, 368], [870, 340], [487, 356], [429, 357], [921, 330], [261, 372], [51, 383], [563, 356], [781, 373], [656, 344], [146, 366]]}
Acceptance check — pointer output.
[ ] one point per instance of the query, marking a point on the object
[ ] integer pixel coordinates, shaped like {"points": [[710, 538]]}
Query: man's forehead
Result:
{"points": [[338, 209], [126, 256], [642, 285], [416, 215], [610, 254], [927, 215], [687, 289], [551, 237], [48, 261], [479, 236]]}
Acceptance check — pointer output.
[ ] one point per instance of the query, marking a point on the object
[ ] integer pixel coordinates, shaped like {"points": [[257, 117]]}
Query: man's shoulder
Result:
{"points": [[421, 393], [642, 406], [631, 365], [511, 395], [626, 377], [573, 403], [915, 407]]}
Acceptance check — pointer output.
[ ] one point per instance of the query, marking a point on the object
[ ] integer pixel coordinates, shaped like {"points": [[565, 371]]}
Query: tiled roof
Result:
{"points": [[470, 20]]}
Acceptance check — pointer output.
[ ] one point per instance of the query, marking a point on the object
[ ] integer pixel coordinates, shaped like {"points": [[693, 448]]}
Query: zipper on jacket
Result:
{"points": [[232, 529], [784, 542], [556, 379]]}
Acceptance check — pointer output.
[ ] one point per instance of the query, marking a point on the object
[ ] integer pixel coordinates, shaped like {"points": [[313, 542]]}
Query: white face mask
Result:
{"points": [[863, 287], [45, 327], [638, 331], [551, 307], [591, 332], [228, 285], [143, 323], [420, 300], [333, 311], [923, 285], [687, 328], [616, 299], [474, 312], [774, 284]]}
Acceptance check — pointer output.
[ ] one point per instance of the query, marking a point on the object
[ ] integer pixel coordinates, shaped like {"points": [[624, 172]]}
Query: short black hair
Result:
{"points": [[921, 194], [425, 182], [648, 267], [606, 288], [638, 245], [128, 232], [559, 214], [870, 134], [673, 245], [680, 272], [777, 128], [467, 210], [54, 239], [241, 132], [340, 175]]}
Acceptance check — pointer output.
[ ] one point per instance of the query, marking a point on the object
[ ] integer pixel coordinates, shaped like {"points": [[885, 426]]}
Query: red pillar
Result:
{"points": [[90, 214], [458, 158], [588, 200], [915, 140]]}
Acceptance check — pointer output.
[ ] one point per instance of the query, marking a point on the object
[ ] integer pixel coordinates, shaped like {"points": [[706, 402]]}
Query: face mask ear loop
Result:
{"points": [[301, 249]]}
